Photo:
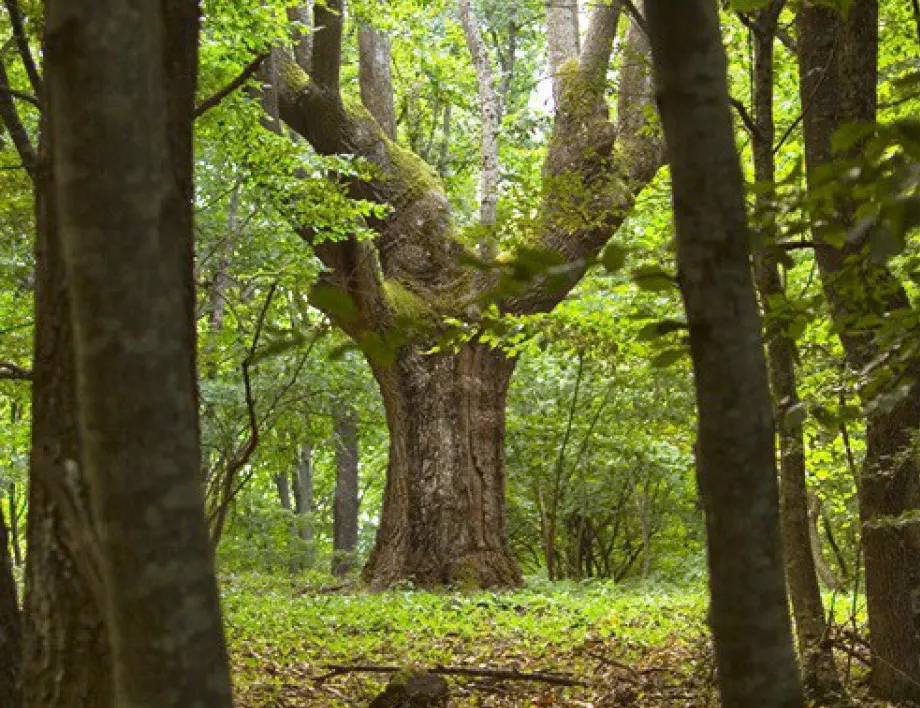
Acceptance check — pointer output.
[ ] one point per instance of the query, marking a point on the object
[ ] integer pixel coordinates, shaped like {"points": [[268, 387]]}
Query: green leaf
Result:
{"points": [[656, 330], [653, 279], [668, 357], [614, 258]]}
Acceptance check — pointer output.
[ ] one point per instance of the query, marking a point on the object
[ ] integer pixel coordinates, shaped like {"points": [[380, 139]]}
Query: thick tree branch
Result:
{"points": [[602, 30], [589, 187], [22, 43], [9, 115], [562, 37], [302, 34], [490, 109], [247, 73], [375, 78], [327, 45]]}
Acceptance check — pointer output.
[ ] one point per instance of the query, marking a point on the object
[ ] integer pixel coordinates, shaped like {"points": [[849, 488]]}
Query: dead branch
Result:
{"points": [[497, 674]]}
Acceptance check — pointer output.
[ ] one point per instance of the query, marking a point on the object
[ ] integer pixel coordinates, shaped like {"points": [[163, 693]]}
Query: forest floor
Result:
{"points": [[643, 646]]}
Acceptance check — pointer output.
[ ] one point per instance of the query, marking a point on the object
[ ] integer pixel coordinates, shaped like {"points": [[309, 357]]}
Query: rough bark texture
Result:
{"points": [[65, 650], [120, 85], [345, 509], [10, 628], [838, 68], [819, 675], [443, 518], [735, 460]]}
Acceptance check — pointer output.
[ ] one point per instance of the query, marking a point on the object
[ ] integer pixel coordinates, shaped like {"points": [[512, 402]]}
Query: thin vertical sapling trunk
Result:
{"points": [[819, 675]]}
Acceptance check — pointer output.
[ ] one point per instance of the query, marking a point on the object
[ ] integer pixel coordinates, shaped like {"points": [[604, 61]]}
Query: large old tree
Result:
{"points": [[443, 517]]}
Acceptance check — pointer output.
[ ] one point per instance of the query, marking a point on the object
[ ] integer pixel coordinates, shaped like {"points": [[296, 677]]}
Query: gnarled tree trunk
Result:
{"points": [[444, 507], [443, 516]]}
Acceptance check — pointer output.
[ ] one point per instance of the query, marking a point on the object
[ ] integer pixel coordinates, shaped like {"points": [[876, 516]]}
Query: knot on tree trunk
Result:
{"points": [[413, 689]]}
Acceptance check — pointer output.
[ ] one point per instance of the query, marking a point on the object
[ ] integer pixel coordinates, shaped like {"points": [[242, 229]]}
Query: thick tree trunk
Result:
{"points": [[443, 519], [819, 675], [837, 64], [735, 451], [65, 649], [10, 628], [120, 86], [345, 510]]}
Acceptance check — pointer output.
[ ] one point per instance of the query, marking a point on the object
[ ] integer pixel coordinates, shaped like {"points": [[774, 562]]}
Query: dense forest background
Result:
{"points": [[441, 338]]}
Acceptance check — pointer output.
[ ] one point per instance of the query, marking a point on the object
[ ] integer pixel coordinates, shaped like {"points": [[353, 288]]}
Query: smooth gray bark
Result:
{"points": [[121, 86], [736, 470]]}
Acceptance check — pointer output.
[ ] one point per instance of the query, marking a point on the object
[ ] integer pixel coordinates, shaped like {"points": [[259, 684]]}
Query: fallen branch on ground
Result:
{"points": [[499, 674]]}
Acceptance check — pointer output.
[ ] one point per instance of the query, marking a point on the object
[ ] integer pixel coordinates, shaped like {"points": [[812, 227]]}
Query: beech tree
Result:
{"points": [[819, 674], [443, 517], [120, 91], [838, 65], [64, 660], [735, 452]]}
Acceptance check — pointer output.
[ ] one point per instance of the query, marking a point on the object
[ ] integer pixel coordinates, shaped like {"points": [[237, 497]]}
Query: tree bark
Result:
{"points": [[65, 652], [735, 448], [490, 111], [819, 674], [375, 78], [121, 85], [10, 628], [838, 71], [303, 506], [345, 511], [443, 519]]}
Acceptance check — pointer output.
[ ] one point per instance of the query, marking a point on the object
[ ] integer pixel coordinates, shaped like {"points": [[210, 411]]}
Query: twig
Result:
{"points": [[11, 372], [22, 95], [746, 117], [243, 77], [498, 674], [22, 42]]}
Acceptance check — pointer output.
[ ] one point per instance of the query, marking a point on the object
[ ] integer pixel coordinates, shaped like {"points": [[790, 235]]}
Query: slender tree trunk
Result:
{"points": [[819, 674], [10, 628], [838, 69], [345, 511], [443, 517], [65, 649], [283, 485], [14, 526], [735, 450], [303, 505], [121, 86]]}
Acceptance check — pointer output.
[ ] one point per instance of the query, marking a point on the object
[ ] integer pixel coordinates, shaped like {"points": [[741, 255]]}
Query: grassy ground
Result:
{"points": [[637, 646]]}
